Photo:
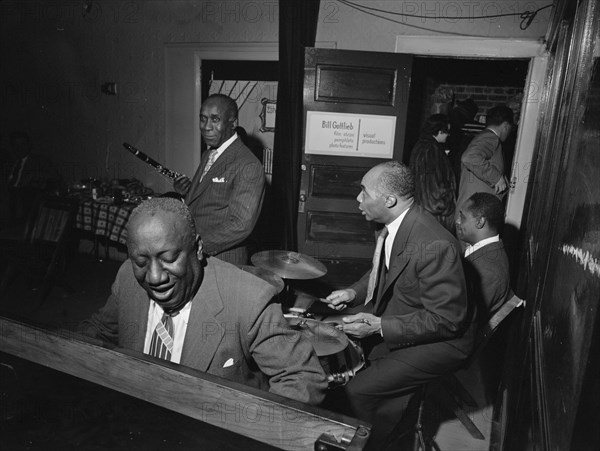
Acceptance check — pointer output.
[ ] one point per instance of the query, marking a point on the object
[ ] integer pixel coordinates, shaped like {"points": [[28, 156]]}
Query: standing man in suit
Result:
{"points": [[226, 193], [420, 323], [486, 263], [167, 301], [482, 163]]}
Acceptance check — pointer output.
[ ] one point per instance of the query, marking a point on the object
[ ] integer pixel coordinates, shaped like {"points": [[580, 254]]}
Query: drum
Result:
{"points": [[340, 356]]}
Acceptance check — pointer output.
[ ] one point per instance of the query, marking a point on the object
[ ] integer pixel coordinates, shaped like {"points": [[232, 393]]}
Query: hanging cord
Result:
{"points": [[527, 16]]}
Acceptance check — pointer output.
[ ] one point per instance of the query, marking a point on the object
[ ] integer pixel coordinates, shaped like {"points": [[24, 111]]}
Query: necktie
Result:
{"points": [[161, 344], [376, 264], [212, 157]]}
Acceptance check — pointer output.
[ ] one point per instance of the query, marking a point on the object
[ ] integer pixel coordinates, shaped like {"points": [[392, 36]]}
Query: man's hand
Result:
{"points": [[501, 185], [182, 185], [338, 299], [361, 325]]}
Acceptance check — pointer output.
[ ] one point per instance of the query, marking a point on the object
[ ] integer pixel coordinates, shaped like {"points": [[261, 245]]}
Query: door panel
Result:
{"points": [[364, 96]]}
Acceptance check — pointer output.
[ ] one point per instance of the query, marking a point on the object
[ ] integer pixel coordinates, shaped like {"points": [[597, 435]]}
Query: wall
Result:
{"points": [[485, 97], [355, 30], [56, 55]]}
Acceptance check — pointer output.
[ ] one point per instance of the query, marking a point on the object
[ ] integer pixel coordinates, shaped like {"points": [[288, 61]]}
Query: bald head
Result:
{"points": [[218, 118]]}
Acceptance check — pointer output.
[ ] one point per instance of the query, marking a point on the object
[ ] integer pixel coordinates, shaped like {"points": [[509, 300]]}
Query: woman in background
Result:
{"points": [[435, 184]]}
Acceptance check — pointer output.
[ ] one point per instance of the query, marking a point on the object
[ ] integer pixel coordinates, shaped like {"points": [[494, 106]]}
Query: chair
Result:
{"points": [[452, 392], [42, 247]]}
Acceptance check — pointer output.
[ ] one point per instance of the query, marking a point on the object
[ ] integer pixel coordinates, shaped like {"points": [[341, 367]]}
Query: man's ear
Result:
{"points": [[480, 223], [391, 201]]}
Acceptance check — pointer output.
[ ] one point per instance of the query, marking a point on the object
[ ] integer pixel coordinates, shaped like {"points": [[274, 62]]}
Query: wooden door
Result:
{"points": [[355, 116]]}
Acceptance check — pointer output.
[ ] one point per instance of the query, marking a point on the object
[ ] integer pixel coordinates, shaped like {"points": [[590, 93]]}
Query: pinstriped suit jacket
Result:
{"points": [[227, 203]]}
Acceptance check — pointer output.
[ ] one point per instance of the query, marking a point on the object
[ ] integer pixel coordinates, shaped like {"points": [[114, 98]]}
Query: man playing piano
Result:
{"points": [[169, 302]]}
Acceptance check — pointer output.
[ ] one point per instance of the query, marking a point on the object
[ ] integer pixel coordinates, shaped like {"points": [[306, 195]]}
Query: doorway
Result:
{"points": [[253, 86], [441, 84]]}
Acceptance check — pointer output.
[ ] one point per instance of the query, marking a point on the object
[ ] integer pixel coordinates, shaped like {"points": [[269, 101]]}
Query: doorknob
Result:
{"points": [[302, 197]]}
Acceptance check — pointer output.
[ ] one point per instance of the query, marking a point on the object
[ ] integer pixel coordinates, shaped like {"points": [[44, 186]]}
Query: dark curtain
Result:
{"points": [[297, 29]]}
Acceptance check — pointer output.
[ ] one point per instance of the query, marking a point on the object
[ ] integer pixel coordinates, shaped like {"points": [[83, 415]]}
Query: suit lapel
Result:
{"points": [[194, 190], [139, 311], [204, 332], [399, 258], [227, 157]]}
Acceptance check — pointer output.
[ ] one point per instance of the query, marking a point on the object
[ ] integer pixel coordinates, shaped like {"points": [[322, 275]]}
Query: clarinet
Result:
{"points": [[155, 164]]}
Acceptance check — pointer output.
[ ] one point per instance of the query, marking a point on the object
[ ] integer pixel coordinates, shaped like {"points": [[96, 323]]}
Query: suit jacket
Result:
{"points": [[227, 203], [231, 318], [482, 165], [488, 279], [424, 299]]}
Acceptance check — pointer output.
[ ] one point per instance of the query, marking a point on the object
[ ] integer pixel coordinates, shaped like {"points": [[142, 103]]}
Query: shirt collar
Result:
{"points": [[494, 132], [155, 306], [225, 145], [393, 228], [472, 248]]}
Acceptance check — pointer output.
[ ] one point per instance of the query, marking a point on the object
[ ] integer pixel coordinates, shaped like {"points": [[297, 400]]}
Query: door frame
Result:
{"points": [[183, 64], [495, 48]]}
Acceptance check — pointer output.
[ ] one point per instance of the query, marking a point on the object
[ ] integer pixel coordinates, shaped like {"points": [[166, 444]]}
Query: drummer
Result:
{"points": [[420, 325], [169, 302]]}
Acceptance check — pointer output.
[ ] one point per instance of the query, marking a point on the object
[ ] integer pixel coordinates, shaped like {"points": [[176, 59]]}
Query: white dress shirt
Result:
{"points": [[393, 230], [180, 323], [224, 146]]}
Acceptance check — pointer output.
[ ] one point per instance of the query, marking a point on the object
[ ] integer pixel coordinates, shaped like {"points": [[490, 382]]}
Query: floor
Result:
{"points": [[45, 410]]}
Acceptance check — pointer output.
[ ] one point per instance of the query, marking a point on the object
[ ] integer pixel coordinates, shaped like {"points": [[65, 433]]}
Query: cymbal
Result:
{"points": [[289, 265], [325, 338], [266, 275]]}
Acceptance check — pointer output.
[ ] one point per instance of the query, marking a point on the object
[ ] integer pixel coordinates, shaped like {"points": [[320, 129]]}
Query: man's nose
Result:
{"points": [[156, 274]]}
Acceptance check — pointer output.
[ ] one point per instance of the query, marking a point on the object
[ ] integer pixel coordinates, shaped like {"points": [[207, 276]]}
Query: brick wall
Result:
{"points": [[485, 97]]}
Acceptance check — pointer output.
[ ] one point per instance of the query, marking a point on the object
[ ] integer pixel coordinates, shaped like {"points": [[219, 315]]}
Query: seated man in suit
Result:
{"points": [[486, 263], [168, 302], [226, 193], [421, 322]]}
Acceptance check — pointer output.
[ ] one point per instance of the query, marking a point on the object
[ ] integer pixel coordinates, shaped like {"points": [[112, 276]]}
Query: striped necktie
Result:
{"points": [[212, 157], [376, 264], [161, 344]]}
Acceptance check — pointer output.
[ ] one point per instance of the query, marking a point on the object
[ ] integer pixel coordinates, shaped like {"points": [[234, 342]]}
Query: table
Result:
{"points": [[105, 220]]}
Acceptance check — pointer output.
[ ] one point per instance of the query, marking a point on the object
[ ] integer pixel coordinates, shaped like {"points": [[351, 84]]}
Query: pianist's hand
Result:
{"points": [[182, 185]]}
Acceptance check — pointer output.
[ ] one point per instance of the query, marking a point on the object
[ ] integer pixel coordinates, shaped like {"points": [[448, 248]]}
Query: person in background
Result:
{"points": [[435, 185], [226, 193], [483, 162], [486, 264], [169, 302], [463, 127], [421, 322], [30, 177]]}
